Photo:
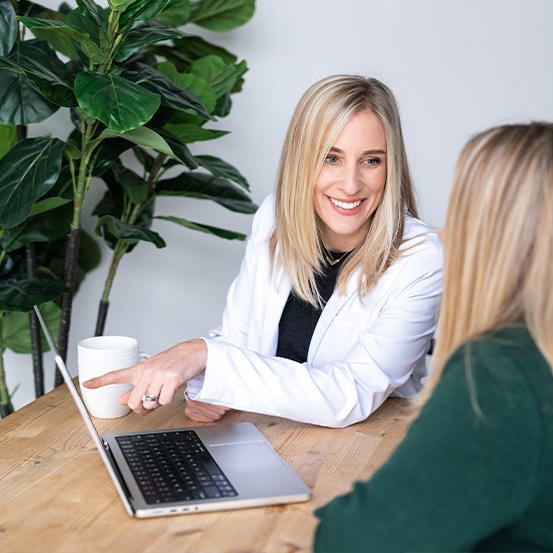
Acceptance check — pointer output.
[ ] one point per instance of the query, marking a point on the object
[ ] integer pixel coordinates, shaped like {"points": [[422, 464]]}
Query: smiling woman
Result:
{"points": [[351, 183], [337, 298]]}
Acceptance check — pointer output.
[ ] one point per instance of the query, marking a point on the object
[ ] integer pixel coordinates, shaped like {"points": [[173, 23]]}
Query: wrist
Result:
{"points": [[195, 353]]}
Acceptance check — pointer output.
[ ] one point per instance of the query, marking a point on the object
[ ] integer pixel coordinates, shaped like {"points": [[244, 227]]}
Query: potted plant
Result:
{"points": [[139, 90]]}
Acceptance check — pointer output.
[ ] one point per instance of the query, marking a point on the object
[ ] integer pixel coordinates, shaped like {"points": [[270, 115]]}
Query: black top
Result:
{"points": [[299, 318]]}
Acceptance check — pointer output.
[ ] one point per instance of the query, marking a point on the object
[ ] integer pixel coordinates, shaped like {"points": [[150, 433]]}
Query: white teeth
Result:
{"points": [[345, 205]]}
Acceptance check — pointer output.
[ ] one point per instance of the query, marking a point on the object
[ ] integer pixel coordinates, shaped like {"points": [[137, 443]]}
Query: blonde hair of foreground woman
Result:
{"points": [[321, 114], [498, 263]]}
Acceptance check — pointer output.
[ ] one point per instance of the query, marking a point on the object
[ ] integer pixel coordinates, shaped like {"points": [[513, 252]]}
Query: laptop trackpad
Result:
{"points": [[243, 462]]}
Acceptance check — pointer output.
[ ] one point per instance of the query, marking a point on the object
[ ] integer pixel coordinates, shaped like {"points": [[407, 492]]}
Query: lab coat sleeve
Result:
{"points": [[347, 388]]}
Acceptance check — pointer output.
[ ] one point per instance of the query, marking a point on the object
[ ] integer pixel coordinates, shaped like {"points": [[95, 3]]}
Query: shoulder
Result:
{"points": [[264, 219], [420, 252], [419, 236], [512, 343], [504, 363]]}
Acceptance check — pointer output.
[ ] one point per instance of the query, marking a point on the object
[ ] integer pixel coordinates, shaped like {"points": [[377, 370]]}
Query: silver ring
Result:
{"points": [[149, 397]]}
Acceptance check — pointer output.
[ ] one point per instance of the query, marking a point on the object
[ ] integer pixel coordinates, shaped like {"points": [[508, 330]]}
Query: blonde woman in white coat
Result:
{"points": [[338, 295]]}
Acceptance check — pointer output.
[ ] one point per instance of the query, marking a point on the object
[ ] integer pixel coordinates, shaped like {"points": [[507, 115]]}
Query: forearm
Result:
{"points": [[328, 396]]}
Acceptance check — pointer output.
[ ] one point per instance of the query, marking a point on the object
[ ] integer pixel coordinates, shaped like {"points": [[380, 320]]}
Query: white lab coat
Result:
{"points": [[361, 350]]}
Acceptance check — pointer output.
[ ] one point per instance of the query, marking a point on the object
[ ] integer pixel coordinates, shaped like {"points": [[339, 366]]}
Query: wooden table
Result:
{"points": [[56, 495]]}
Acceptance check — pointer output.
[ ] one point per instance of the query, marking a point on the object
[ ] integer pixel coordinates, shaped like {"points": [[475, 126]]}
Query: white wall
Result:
{"points": [[455, 67]]}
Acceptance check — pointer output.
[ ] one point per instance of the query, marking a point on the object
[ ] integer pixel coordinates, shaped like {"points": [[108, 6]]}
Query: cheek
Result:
{"points": [[322, 181], [318, 202], [377, 184]]}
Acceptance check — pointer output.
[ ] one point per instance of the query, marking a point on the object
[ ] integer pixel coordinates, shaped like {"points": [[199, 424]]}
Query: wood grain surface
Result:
{"points": [[58, 497]]}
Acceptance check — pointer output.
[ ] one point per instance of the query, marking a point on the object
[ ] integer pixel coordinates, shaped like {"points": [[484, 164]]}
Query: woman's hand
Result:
{"points": [[204, 412], [159, 376]]}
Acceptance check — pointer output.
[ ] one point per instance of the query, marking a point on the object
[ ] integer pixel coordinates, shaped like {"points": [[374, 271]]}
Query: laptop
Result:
{"points": [[189, 470]]}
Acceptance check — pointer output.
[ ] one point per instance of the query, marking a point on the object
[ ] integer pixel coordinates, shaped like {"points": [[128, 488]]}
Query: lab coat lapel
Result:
{"points": [[273, 305], [331, 309]]}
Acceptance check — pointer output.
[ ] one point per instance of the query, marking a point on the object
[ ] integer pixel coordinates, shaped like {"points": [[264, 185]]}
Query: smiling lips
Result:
{"points": [[345, 205]]}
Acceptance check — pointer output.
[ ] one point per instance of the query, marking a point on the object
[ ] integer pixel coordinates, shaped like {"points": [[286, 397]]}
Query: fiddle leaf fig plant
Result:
{"points": [[139, 89]]}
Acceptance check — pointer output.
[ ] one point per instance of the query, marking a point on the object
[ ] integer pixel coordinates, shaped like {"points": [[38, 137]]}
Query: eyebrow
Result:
{"points": [[367, 152]]}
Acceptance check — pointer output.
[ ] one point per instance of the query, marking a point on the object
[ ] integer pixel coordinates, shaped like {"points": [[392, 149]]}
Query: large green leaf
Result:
{"points": [[44, 205], [16, 329], [177, 15], [189, 132], [221, 233], [135, 187], [172, 95], [222, 15], [122, 5], [221, 168], [46, 226], [180, 148], [8, 27], [60, 42], [40, 64], [28, 170], [20, 101], [91, 11], [191, 83], [22, 295], [84, 33], [8, 138], [207, 187], [108, 152], [54, 25], [118, 103], [130, 234], [221, 76], [187, 50], [149, 138], [148, 33], [142, 11]]}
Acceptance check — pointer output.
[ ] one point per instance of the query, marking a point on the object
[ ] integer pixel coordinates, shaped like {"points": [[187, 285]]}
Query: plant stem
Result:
{"points": [[69, 276], [101, 319], [121, 247], [73, 239], [36, 344], [118, 253], [6, 407]]}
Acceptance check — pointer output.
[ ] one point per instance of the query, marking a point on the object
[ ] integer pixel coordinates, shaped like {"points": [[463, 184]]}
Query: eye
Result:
{"points": [[372, 161], [331, 159]]}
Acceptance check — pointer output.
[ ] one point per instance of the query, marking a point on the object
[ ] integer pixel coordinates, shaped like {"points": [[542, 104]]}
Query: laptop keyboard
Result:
{"points": [[174, 466]]}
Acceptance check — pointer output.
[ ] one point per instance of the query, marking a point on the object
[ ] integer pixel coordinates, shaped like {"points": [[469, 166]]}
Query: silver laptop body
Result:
{"points": [[256, 473]]}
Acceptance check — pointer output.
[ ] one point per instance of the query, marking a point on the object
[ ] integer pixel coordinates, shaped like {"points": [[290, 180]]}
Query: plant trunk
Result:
{"points": [[36, 343], [102, 316], [73, 241], [69, 277], [118, 253], [6, 407]]}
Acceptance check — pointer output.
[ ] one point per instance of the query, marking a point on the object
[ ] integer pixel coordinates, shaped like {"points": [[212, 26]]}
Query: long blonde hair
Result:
{"points": [[320, 116], [498, 267]]}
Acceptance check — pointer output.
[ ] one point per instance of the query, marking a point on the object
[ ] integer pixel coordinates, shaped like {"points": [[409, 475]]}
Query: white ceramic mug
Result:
{"points": [[97, 356]]}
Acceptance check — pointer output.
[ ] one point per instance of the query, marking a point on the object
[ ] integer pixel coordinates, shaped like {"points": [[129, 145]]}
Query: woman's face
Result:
{"points": [[351, 183]]}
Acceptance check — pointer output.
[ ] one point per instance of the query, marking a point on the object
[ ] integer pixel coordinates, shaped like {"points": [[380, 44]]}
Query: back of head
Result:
{"points": [[321, 114], [499, 238]]}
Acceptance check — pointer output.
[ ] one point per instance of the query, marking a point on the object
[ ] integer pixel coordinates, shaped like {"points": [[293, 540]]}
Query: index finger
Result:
{"points": [[121, 376]]}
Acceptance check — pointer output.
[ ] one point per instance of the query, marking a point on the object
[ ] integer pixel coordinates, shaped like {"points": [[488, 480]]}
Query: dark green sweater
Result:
{"points": [[475, 471]]}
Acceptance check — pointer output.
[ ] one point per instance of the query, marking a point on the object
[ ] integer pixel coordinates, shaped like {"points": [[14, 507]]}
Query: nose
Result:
{"points": [[351, 180]]}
